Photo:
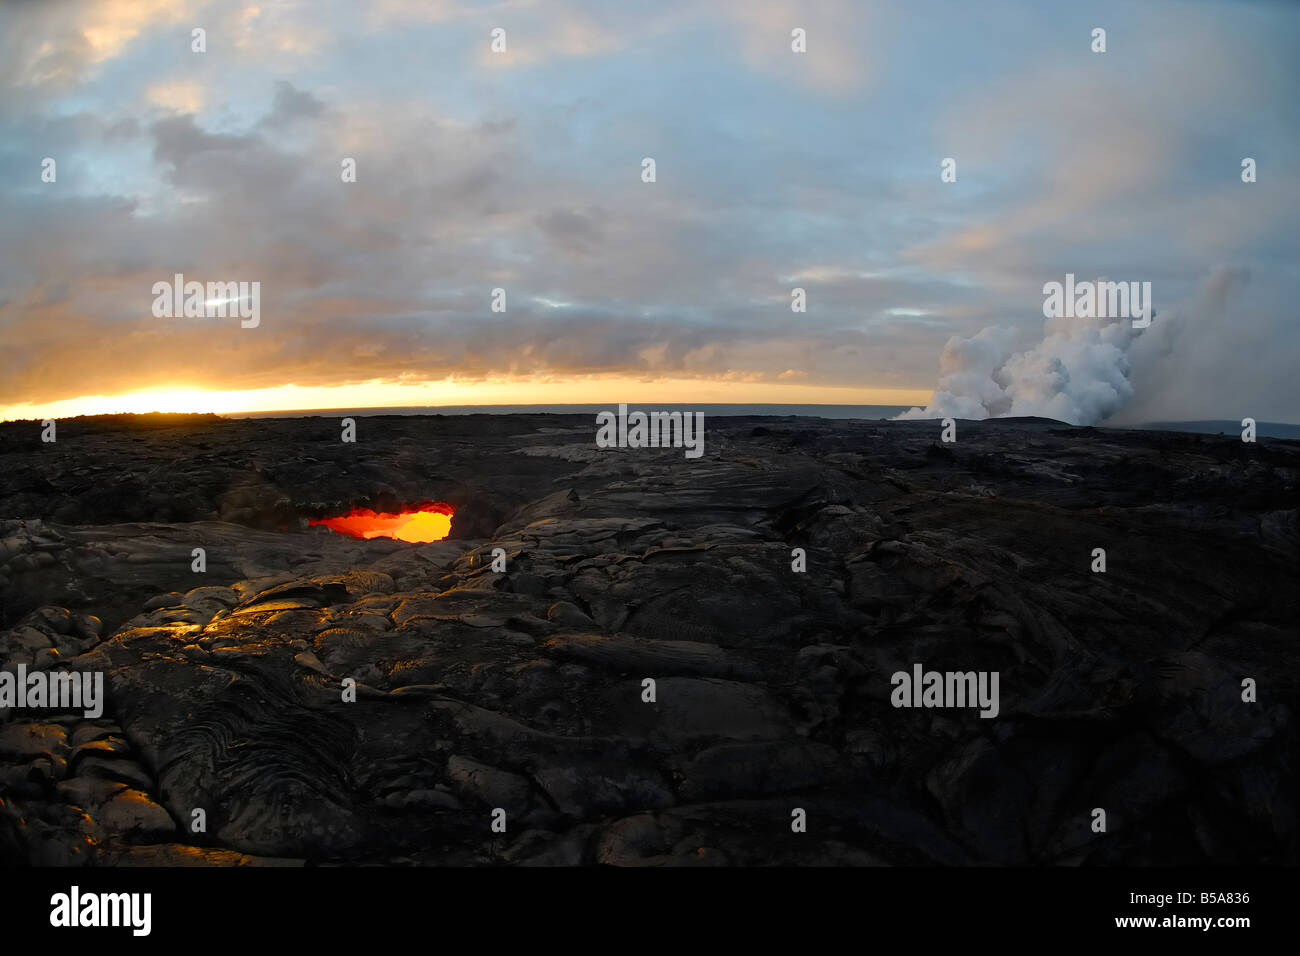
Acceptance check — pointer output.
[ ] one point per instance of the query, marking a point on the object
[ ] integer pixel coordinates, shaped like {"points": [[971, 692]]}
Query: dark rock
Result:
{"points": [[522, 689]]}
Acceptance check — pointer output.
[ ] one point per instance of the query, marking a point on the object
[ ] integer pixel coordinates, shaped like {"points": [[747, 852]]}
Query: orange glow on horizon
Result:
{"points": [[417, 525], [591, 390]]}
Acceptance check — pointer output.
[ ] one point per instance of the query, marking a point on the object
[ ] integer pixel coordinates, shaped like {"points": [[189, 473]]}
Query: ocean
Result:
{"points": [[862, 412], [717, 411]]}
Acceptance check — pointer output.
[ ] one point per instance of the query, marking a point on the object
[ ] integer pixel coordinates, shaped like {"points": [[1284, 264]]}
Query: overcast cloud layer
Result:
{"points": [[522, 170]]}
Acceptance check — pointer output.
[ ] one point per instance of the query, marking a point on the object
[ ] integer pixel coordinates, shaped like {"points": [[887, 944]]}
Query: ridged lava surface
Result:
{"points": [[522, 690]]}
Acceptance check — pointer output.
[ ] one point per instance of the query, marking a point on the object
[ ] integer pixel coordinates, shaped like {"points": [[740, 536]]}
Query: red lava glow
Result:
{"points": [[423, 524]]}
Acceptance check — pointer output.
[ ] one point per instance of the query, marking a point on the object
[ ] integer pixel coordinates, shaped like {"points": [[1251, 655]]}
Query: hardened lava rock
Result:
{"points": [[313, 697]]}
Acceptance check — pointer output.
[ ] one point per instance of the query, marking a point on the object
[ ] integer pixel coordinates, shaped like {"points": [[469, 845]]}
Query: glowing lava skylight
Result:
{"points": [[418, 525]]}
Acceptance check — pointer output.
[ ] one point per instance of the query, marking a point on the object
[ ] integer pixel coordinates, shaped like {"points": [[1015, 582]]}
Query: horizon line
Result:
{"points": [[431, 410]]}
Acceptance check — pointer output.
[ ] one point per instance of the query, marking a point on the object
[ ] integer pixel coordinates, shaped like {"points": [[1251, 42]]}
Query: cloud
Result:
{"points": [[286, 28], [179, 142], [1075, 155], [775, 170], [181, 96], [843, 55], [56, 44], [572, 231], [546, 33], [290, 104]]}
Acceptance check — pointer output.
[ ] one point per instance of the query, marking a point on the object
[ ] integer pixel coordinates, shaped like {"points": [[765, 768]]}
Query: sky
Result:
{"points": [[522, 170]]}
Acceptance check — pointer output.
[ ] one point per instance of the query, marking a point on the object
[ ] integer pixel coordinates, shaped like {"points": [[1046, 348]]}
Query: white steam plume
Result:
{"points": [[1204, 359], [1078, 373]]}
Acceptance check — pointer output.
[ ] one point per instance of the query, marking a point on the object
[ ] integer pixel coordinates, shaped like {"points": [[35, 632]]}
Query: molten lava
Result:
{"points": [[423, 524]]}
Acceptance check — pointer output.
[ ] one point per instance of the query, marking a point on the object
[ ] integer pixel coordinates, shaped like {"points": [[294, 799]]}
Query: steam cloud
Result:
{"points": [[1083, 370]]}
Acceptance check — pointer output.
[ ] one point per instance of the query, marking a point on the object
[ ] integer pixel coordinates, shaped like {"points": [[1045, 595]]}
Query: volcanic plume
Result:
{"points": [[1200, 356]]}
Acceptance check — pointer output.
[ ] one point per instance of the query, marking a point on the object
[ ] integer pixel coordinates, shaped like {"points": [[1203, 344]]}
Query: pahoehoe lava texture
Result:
{"points": [[521, 690]]}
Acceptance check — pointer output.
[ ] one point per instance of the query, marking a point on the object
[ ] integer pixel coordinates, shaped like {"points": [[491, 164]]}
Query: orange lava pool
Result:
{"points": [[417, 525]]}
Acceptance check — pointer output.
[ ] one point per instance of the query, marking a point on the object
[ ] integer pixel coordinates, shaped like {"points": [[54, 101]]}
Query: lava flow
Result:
{"points": [[423, 524]]}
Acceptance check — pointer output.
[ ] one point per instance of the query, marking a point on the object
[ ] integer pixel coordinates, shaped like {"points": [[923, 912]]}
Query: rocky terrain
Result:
{"points": [[478, 690]]}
